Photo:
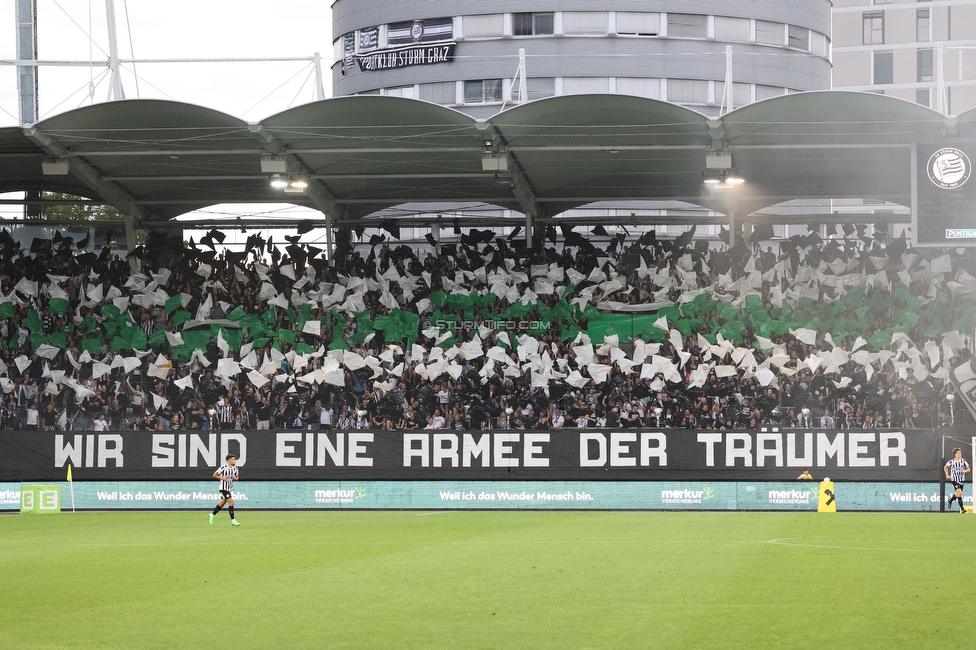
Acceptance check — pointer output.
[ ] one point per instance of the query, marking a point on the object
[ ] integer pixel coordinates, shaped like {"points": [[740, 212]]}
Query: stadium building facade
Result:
{"points": [[892, 48], [465, 54]]}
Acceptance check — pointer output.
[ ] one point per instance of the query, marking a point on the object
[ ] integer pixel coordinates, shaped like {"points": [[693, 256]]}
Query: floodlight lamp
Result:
{"points": [[734, 179], [278, 182], [712, 177], [298, 184]]}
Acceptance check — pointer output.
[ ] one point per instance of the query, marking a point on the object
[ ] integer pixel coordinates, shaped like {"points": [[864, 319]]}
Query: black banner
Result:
{"points": [[569, 454], [946, 195], [420, 31], [406, 56]]}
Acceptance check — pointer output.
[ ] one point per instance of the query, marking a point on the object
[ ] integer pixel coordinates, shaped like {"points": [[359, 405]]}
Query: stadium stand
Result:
{"points": [[856, 332]]}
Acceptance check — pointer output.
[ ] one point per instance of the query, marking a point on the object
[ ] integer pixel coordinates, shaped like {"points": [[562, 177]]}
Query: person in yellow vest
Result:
{"points": [[805, 476]]}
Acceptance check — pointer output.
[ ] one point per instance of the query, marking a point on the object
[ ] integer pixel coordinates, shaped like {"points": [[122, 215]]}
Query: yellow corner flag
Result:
{"points": [[828, 498], [69, 472]]}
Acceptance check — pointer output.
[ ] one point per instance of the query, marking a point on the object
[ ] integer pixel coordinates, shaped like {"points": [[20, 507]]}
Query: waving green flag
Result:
{"points": [[57, 306]]}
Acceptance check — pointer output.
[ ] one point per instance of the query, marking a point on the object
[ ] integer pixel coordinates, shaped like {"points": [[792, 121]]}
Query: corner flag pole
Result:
{"points": [[72, 484]]}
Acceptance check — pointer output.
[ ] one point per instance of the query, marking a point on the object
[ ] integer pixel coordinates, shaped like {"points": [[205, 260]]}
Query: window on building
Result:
{"points": [[537, 87], [687, 91], [922, 25], [482, 91], [765, 92], [873, 24], [799, 38], [922, 96], [741, 94], [585, 85], [578, 23], [483, 26], [439, 93], [884, 66], [733, 30], [402, 91], [639, 23], [769, 33], [924, 65], [541, 87], [639, 87], [531, 24], [687, 26], [818, 44]]}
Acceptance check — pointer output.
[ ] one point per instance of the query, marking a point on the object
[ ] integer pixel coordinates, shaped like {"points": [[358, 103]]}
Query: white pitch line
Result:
{"points": [[224, 542], [789, 541]]}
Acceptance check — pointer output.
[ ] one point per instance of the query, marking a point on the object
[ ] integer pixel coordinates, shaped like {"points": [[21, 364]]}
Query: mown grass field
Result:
{"points": [[487, 580]]}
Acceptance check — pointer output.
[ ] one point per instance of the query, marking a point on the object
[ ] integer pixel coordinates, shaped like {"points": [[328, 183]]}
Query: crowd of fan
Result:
{"points": [[398, 390]]}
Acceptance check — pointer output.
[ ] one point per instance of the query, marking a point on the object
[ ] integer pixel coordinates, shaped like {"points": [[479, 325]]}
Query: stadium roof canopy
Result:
{"points": [[155, 160]]}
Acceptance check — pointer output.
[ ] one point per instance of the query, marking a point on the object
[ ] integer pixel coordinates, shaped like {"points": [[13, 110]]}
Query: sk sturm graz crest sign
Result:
{"points": [[945, 198], [949, 168]]}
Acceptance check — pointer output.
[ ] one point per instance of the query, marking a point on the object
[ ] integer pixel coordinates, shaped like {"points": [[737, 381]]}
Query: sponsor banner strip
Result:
{"points": [[519, 495]]}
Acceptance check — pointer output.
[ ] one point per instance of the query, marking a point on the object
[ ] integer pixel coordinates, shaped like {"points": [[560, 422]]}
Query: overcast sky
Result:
{"points": [[176, 29]]}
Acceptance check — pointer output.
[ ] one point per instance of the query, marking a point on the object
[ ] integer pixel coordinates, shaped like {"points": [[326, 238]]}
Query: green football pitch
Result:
{"points": [[487, 580]]}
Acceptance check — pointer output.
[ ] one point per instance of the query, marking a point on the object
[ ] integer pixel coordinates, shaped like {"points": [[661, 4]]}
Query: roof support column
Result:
{"points": [[525, 192], [733, 223], [329, 243], [130, 233]]}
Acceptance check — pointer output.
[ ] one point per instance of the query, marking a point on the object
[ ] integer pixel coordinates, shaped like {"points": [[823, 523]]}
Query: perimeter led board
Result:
{"points": [[944, 196]]}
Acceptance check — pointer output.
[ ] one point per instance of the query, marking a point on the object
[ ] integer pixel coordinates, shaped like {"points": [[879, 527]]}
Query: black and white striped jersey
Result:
{"points": [[957, 468], [227, 475]]}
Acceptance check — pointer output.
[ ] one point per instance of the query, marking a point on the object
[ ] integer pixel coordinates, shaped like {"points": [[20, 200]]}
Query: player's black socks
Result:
{"points": [[951, 499], [217, 509], [230, 509]]}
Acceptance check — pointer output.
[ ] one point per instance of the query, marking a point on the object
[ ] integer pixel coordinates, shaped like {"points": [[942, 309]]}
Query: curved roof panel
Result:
{"points": [[373, 151], [830, 144], [157, 159], [136, 123], [837, 116], [578, 149]]}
